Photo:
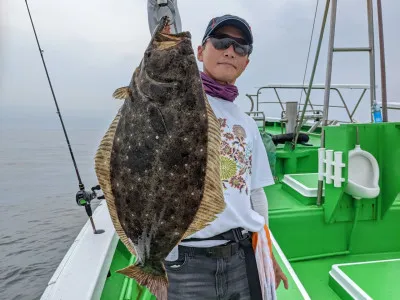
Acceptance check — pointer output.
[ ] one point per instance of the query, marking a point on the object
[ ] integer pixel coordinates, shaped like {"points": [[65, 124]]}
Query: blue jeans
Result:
{"points": [[201, 277]]}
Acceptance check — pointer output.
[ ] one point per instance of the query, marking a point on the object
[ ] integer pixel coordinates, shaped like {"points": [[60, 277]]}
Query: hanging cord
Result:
{"points": [[309, 50], [83, 197]]}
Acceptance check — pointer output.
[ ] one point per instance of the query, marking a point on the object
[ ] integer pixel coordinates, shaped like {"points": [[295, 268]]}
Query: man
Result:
{"points": [[207, 265]]}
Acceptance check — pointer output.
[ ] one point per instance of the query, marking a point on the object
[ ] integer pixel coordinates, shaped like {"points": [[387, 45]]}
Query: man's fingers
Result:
{"points": [[285, 281], [277, 282], [167, 29], [281, 277], [286, 284]]}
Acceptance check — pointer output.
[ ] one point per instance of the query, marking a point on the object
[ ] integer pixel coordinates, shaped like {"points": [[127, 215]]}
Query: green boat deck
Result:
{"points": [[120, 287], [315, 238], [385, 273], [314, 274]]}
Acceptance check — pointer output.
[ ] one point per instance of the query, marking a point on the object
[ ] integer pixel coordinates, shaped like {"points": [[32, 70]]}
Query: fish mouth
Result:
{"points": [[164, 41], [166, 44]]}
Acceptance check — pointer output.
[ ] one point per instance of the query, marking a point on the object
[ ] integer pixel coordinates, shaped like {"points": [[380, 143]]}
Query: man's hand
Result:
{"points": [[279, 275], [156, 9]]}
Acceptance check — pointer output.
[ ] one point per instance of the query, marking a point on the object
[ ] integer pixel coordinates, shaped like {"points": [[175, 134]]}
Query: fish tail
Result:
{"points": [[150, 276]]}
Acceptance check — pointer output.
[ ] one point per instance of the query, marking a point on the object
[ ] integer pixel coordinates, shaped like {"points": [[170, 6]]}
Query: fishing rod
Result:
{"points": [[83, 198]]}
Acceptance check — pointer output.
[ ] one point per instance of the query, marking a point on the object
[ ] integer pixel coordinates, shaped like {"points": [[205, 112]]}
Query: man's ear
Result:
{"points": [[200, 50]]}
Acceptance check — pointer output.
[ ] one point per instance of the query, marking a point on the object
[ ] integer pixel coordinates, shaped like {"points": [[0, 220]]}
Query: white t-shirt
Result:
{"points": [[245, 167]]}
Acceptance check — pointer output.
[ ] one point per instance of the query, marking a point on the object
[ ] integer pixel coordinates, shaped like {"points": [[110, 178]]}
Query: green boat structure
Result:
{"points": [[334, 211]]}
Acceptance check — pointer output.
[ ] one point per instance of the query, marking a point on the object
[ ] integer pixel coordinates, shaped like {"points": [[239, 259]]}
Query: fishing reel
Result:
{"points": [[83, 197]]}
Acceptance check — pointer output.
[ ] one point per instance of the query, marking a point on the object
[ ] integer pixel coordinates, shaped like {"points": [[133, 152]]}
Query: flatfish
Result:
{"points": [[158, 163]]}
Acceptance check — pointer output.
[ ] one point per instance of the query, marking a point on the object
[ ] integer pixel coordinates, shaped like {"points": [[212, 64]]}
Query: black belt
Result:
{"points": [[242, 240], [221, 251]]}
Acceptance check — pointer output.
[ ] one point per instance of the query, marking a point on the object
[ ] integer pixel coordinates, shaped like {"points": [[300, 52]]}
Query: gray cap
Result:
{"points": [[218, 22]]}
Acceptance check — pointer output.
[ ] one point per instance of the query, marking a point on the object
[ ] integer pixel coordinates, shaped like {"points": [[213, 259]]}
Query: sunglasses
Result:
{"points": [[223, 41]]}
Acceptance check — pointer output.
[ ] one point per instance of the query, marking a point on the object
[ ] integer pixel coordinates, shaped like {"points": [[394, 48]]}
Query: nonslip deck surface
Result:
{"points": [[385, 276]]}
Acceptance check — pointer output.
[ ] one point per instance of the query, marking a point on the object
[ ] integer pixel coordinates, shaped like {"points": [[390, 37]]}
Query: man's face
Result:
{"points": [[225, 66]]}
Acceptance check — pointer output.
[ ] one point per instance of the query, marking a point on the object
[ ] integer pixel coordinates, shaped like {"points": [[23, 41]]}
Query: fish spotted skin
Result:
{"points": [[159, 164]]}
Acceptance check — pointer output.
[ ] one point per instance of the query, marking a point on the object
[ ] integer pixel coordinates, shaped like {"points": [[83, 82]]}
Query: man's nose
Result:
{"points": [[230, 52]]}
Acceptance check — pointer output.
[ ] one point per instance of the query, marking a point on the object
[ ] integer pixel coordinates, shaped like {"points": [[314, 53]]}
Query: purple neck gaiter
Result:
{"points": [[227, 92]]}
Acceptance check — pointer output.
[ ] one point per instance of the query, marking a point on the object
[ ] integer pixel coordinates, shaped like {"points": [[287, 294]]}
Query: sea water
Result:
{"points": [[39, 218]]}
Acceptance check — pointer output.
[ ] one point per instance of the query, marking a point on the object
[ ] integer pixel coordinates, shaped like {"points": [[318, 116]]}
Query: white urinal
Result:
{"points": [[363, 174]]}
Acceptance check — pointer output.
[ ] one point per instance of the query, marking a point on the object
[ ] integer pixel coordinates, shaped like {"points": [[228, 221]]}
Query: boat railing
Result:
{"points": [[314, 112], [392, 105]]}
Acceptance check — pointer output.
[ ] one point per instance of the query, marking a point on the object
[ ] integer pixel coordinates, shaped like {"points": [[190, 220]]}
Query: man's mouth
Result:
{"points": [[229, 64]]}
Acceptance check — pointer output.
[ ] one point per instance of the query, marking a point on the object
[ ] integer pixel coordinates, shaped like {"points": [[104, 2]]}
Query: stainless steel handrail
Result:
{"points": [[335, 88]]}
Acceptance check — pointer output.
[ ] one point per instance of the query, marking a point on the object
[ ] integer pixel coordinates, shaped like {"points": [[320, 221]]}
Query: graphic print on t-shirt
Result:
{"points": [[235, 157]]}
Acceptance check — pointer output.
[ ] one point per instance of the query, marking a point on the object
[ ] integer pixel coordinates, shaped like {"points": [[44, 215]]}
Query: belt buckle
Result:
{"points": [[219, 251], [210, 252], [239, 235]]}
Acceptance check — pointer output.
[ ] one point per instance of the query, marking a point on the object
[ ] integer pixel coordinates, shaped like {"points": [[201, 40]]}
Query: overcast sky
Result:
{"points": [[91, 48]]}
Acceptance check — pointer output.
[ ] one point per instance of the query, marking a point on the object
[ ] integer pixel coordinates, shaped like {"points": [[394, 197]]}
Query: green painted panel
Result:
{"points": [[120, 287], [383, 142], [389, 161], [385, 284], [115, 281], [314, 274], [303, 160], [341, 293], [302, 231], [300, 160], [280, 200], [337, 138], [305, 233], [303, 199], [345, 209], [293, 291], [310, 180]]}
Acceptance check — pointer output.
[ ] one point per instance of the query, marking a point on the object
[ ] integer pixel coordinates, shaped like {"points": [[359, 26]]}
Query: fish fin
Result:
{"points": [[213, 202], [122, 93], [102, 169], [157, 283]]}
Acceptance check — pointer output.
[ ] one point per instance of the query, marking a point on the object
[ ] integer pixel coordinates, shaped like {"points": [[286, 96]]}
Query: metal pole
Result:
{"points": [[329, 65], [291, 115], [352, 49], [371, 53], [313, 72], [327, 87], [382, 61]]}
